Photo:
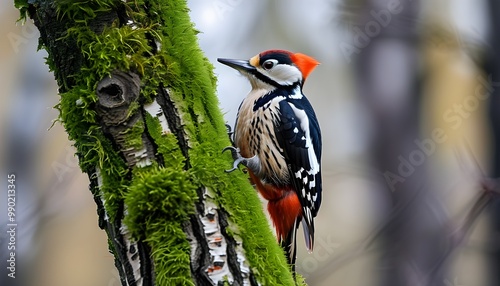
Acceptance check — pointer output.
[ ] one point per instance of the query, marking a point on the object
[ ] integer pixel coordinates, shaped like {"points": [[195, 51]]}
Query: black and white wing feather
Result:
{"points": [[297, 132]]}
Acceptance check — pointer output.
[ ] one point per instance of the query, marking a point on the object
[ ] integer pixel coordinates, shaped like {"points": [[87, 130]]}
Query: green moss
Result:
{"points": [[93, 148], [83, 10], [116, 48], [299, 280], [168, 145], [192, 86], [133, 135], [170, 253], [158, 199], [158, 192], [22, 5]]}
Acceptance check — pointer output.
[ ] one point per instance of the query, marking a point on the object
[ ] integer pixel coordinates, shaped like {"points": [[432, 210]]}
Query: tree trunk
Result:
{"points": [[492, 70], [137, 97], [389, 84]]}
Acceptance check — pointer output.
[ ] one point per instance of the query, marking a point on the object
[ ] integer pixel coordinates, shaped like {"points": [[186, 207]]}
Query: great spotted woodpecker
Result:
{"points": [[277, 137]]}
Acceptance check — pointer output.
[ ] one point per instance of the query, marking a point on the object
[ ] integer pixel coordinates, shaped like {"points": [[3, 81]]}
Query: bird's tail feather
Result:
{"points": [[308, 227], [289, 244]]}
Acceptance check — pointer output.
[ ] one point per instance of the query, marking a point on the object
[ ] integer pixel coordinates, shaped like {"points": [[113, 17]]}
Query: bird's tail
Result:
{"points": [[289, 244]]}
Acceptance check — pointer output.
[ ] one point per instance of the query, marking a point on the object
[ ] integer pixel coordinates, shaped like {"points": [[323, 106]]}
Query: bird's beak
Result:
{"points": [[240, 65]]}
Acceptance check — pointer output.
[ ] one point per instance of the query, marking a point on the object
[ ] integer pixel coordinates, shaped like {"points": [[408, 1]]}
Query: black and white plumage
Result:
{"points": [[277, 137]]}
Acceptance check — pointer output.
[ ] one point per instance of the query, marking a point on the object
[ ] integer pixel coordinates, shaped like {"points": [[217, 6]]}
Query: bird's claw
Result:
{"points": [[252, 163], [235, 152], [235, 164]]}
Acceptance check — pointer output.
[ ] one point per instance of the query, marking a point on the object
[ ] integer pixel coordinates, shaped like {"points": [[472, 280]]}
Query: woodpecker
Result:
{"points": [[278, 139]]}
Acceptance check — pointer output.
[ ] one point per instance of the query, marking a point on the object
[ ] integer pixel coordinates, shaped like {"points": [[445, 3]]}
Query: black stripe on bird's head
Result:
{"points": [[276, 68]]}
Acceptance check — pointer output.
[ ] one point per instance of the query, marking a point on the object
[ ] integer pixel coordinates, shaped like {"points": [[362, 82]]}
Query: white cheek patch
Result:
{"points": [[283, 74]]}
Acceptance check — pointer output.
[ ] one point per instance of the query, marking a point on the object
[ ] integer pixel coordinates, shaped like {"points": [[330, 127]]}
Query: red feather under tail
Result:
{"points": [[285, 210]]}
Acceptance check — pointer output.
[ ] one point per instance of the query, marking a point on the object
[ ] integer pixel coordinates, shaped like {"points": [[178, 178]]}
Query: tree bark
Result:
{"points": [[138, 100]]}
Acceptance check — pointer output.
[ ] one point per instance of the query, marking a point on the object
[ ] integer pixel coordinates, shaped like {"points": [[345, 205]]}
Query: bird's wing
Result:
{"points": [[297, 132]]}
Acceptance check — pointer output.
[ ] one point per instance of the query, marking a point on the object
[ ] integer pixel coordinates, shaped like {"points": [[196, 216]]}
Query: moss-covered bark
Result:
{"points": [[137, 98]]}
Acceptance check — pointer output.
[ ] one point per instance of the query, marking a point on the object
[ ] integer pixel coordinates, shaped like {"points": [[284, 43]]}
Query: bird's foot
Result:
{"points": [[251, 163]]}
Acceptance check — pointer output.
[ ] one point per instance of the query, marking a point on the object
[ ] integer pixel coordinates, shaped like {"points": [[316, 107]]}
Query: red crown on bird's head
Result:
{"points": [[305, 63]]}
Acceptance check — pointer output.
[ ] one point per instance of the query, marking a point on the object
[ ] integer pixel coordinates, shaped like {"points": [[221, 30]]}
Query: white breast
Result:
{"points": [[254, 135]]}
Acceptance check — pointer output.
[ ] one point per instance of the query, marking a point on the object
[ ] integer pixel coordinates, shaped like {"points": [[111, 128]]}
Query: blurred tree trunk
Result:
{"points": [[492, 68], [389, 80], [138, 100]]}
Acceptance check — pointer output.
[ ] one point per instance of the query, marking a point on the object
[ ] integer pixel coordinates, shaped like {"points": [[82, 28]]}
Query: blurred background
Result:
{"points": [[407, 98]]}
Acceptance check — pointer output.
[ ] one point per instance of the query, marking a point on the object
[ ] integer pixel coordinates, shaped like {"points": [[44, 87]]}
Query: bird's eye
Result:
{"points": [[269, 64]]}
